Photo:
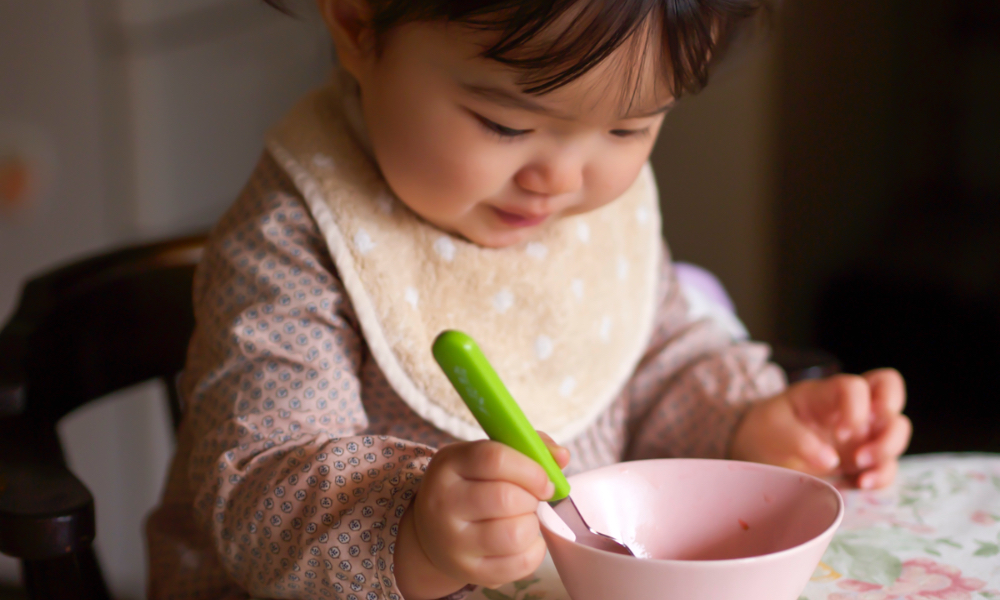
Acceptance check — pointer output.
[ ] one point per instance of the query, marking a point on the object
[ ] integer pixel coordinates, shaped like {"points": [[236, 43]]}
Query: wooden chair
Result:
{"points": [[79, 333]]}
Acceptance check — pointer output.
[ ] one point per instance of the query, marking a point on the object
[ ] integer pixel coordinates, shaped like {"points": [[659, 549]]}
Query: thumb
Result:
{"points": [[773, 433], [810, 454], [559, 453]]}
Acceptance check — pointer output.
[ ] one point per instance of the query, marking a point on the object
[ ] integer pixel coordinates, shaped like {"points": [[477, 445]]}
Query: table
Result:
{"points": [[933, 535]]}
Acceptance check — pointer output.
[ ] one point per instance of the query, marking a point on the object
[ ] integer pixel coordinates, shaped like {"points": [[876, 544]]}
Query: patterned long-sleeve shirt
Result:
{"points": [[296, 459]]}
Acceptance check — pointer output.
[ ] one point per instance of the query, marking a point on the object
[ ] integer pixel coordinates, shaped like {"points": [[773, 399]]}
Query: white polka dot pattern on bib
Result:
{"points": [[567, 387], [536, 250], [622, 268], [543, 347], [363, 242], [412, 297], [503, 300], [641, 214], [604, 329], [445, 248]]}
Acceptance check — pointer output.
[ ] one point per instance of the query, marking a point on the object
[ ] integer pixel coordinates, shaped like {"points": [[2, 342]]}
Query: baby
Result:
{"points": [[478, 165]]}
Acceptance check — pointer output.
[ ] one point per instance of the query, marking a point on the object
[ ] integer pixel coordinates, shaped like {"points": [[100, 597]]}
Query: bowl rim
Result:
{"points": [[716, 563]]}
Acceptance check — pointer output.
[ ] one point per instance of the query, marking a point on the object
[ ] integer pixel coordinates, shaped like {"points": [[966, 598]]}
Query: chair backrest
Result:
{"points": [[96, 326], [79, 333]]}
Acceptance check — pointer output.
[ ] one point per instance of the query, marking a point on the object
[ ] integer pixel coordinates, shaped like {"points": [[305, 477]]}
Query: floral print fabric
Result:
{"points": [[934, 535], [296, 459]]}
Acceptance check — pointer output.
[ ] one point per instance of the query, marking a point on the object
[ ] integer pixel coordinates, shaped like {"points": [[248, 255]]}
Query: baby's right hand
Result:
{"points": [[474, 518]]}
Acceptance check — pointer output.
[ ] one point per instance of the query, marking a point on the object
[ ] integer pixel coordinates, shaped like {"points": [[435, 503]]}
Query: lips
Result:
{"points": [[518, 219]]}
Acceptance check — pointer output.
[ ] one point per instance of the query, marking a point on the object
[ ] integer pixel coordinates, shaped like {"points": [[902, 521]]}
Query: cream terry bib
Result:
{"points": [[564, 319]]}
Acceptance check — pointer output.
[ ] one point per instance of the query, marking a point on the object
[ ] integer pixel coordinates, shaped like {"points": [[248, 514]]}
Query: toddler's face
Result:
{"points": [[466, 150]]}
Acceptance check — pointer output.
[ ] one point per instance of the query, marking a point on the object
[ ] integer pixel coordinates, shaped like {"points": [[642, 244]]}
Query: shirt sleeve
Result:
{"points": [[299, 501], [694, 383]]}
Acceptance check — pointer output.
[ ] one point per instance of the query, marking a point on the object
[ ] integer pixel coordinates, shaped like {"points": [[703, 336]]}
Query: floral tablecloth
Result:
{"points": [[933, 535]]}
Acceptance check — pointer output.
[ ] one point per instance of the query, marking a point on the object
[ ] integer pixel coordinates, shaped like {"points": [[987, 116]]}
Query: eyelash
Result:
{"points": [[499, 130], [626, 133], [509, 133]]}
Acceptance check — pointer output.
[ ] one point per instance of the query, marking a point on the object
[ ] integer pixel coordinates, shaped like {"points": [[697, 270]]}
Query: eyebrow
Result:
{"points": [[503, 97]]}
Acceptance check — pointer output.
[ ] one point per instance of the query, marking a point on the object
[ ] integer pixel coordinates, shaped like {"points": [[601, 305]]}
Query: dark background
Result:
{"points": [[888, 201]]}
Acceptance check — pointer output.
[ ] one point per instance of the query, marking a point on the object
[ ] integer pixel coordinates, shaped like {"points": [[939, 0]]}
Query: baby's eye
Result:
{"points": [[624, 133], [499, 129]]}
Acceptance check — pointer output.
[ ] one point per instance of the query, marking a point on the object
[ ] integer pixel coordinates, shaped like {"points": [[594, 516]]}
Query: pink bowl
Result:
{"points": [[713, 529]]}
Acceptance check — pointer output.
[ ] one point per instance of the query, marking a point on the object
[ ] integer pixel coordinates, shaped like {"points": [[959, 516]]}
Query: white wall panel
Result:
{"points": [[714, 163], [200, 112], [49, 96], [155, 112], [144, 12]]}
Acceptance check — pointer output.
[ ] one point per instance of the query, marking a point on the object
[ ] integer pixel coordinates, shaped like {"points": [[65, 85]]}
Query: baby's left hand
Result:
{"points": [[848, 424]]}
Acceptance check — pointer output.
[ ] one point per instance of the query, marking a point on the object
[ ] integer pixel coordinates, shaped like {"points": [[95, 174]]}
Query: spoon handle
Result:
{"points": [[486, 396]]}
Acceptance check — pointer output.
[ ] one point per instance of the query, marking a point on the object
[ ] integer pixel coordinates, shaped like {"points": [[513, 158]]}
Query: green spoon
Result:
{"points": [[503, 421]]}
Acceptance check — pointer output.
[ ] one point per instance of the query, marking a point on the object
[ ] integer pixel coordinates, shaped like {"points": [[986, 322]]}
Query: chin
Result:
{"points": [[499, 239]]}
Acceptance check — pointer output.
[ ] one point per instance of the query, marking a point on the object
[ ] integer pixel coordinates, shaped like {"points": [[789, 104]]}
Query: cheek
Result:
{"points": [[617, 167], [430, 155], [610, 177]]}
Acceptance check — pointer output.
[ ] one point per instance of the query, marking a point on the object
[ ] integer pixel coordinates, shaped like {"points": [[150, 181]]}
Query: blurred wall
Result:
{"points": [[833, 126], [888, 204], [878, 103], [143, 119], [714, 164], [50, 109], [49, 114]]}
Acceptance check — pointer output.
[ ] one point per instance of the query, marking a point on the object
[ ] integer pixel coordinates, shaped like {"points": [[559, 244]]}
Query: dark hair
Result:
{"points": [[694, 33]]}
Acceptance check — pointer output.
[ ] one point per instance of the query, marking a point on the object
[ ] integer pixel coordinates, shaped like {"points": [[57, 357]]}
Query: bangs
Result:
{"points": [[555, 42]]}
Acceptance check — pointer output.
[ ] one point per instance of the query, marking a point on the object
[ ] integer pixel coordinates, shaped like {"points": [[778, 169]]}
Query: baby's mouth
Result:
{"points": [[519, 220]]}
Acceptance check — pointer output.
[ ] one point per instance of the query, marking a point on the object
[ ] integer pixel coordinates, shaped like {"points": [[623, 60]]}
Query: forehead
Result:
{"points": [[629, 82]]}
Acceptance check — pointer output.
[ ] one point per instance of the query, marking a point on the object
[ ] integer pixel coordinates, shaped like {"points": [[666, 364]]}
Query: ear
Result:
{"points": [[349, 24]]}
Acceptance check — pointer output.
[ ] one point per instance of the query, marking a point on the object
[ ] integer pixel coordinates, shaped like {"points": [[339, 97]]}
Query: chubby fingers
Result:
{"points": [[493, 552], [877, 458], [487, 500], [772, 433], [811, 454], [504, 537], [492, 461], [888, 393], [495, 571], [559, 453], [498, 540], [878, 477], [841, 402], [796, 445]]}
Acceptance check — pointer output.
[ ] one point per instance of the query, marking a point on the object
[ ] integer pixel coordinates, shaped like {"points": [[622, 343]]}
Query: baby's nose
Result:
{"points": [[550, 178]]}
